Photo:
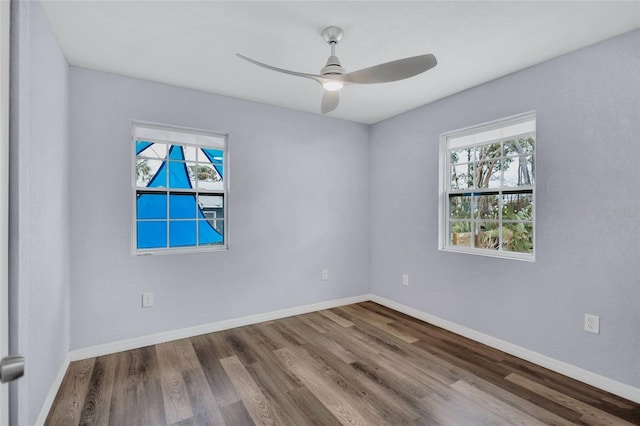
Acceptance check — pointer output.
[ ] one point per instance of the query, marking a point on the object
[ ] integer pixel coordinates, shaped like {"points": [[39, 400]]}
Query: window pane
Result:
{"points": [[153, 150], [211, 232], [519, 171], [460, 207], [520, 146], [488, 152], [146, 170], [208, 177], [487, 235], [151, 206], [460, 233], [192, 171], [179, 175], [488, 174], [215, 158], [152, 234], [189, 153], [517, 237], [182, 233], [182, 206], [461, 156], [517, 206], [487, 206], [462, 176], [211, 206]]}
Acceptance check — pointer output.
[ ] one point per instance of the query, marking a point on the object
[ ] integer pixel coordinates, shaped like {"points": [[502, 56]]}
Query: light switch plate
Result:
{"points": [[147, 300]]}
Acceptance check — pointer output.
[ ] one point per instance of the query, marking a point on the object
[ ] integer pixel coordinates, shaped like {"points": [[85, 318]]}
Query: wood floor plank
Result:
{"points": [[379, 322], [365, 314], [311, 322], [590, 414], [456, 409], [446, 367], [372, 396], [276, 339], [258, 333], [357, 364], [205, 409], [252, 397], [336, 318], [510, 414], [177, 406], [315, 412], [124, 393], [277, 396], [580, 391], [240, 349], [329, 343], [177, 355], [279, 377], [71, 397], [236, 414], [522, 404], [149, 400], [471, 370], [423, 364], [97, 403], [208, 351], [332, 398]]}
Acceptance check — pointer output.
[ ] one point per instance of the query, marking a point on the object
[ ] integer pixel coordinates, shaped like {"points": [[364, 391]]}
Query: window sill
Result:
{"points": [[150, 252], [491, 253]]}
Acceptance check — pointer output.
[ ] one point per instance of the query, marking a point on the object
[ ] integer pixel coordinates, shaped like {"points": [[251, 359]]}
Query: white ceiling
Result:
{"points": [[193, 44]]}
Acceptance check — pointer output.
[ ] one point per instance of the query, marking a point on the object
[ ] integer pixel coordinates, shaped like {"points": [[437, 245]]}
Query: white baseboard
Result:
{"points": [[48, 402], [152, 339], [577, 373]]}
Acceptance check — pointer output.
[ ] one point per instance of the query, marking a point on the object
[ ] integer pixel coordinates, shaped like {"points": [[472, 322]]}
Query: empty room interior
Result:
{"points": [[319, 212]]}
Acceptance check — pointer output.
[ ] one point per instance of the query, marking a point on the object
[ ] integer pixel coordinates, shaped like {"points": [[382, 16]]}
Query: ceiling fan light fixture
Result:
{"points": [[332, 85]]}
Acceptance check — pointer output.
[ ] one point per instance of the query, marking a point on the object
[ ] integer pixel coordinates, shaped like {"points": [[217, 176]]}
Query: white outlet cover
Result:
{"points": [[325, 275], [592, 323], [405, 279]]}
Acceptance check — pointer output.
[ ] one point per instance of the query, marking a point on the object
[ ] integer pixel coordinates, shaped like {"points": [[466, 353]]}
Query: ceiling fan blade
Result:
{"points": [[392, 71], [317, 78], [330, 101]]}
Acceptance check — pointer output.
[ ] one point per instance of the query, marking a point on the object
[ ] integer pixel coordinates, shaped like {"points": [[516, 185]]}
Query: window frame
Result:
{"points": [[444, 243], [169, 191]]}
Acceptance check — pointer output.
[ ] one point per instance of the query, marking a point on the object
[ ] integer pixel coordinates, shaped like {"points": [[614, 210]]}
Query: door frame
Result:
{"points": [[5, 20]]}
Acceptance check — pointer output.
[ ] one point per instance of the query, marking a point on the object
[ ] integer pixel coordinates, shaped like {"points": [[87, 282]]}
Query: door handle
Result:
{"points": [[11, 368]]}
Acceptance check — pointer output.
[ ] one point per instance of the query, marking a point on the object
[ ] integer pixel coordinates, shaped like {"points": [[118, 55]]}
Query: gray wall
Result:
{"points": [[39, 213], [588, 111], [298, 204]]}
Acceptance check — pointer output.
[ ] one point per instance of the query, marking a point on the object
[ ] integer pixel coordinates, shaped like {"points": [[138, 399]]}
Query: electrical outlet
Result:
{"points": [[147, 300], [405, 279], [592, 323], [325, 275]]}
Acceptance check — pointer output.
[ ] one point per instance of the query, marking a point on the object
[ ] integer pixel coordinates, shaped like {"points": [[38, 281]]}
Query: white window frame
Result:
{"points": [[490, 132], [188, 137]]}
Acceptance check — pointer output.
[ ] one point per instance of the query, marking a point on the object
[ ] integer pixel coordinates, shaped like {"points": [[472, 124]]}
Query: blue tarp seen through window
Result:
{"points": [[186, 223]]}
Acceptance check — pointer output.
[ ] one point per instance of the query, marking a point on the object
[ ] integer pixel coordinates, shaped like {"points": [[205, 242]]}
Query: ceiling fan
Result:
{"points": [[333, 77]]}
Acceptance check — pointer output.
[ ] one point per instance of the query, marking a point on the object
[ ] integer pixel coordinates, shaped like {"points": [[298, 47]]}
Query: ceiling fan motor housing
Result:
{"points": [[333, 66]]}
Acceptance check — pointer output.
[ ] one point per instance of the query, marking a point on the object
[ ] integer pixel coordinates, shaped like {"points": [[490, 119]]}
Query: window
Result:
{"points": [[487, 204], [180, 189]]}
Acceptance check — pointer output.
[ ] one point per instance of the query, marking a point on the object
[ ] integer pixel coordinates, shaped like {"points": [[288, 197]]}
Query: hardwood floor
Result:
{"points": [[361, 364]]}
